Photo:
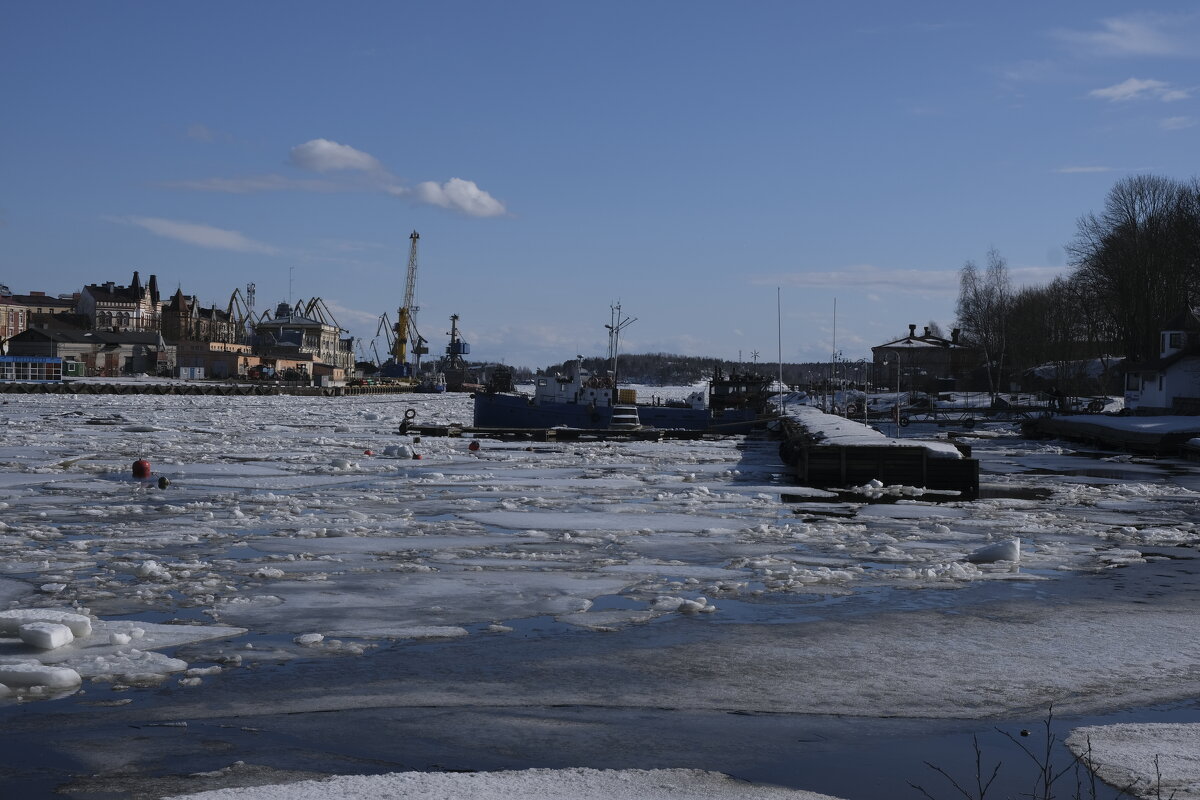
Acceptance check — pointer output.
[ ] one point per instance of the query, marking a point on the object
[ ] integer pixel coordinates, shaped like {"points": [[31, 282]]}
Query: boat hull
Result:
{"points": [[504, 410]]}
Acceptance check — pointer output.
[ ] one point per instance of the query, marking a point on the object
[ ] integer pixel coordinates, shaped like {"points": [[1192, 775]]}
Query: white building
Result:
{"points": [[1170, 384]]}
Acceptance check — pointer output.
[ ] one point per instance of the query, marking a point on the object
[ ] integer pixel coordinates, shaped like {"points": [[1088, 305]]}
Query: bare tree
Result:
{"points": [[1140, 257], [984, 299]]}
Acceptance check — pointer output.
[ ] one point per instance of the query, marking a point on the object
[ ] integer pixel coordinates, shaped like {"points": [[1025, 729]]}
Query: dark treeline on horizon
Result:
{"points": [[1134, 265], [667, 369]]}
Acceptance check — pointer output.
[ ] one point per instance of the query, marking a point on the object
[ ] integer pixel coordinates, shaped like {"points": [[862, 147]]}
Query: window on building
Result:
{"points": [[1160, 381], [1177, 340], [1133, 381]]}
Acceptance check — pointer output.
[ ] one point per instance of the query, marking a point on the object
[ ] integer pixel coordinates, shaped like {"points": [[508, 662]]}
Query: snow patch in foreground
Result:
{"points": [[1124, 754], [578, 784]]}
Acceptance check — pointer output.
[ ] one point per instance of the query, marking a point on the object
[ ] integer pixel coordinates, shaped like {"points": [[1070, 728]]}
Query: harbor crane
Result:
{"points": [[406, 317]]}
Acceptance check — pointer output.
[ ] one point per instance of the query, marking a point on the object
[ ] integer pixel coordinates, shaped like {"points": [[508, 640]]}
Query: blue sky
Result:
{"points": [[684, 158]]}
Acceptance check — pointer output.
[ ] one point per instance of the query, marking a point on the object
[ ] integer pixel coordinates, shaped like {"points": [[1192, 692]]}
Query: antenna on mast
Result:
{"points": [[614, 334]]}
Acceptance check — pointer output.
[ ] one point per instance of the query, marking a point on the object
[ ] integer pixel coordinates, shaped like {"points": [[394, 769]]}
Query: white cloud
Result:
{"points": [[259, 183], [459, 195], [1177, 123], [322, 155], [928, 282], [1078, 170], [1133, 35], [199, 235], [1031, 71], [201, 133], [347, 316], [1134, 88]]}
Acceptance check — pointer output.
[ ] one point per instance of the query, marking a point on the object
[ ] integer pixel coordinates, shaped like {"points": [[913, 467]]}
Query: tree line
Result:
{"points": [[1134, 264], [669, 369]]}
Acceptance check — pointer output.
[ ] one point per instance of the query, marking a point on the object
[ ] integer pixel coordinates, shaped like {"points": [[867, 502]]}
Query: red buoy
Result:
{"points": [[416, 456], [141, 468], [473, 446], [368, 452]]}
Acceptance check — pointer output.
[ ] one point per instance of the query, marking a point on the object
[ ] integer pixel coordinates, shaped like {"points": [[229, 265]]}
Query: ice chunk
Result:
{"points": [[152, 570], [12, 620], [35, 674], [664, 603], [46, 635], [1000, 551]]}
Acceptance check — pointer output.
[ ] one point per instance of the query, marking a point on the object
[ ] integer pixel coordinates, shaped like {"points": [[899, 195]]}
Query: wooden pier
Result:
{"points": [[1160, 436], [830, 465]]}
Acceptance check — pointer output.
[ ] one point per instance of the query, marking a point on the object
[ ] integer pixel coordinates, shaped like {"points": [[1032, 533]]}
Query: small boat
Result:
{"points": [[434, 382]]}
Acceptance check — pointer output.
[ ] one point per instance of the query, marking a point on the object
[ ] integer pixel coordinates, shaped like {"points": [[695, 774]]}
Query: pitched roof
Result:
{"points": [[1185, 320], [78, 336]]}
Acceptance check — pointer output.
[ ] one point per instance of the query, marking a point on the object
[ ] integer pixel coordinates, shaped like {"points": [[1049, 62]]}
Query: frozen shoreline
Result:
{"points": [[621, 576]]}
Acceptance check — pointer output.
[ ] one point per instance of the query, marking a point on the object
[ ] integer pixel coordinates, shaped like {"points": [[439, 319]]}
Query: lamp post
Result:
{"points": [[861, 370]]}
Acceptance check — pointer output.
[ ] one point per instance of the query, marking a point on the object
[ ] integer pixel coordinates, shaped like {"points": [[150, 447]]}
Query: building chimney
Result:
{"points": [[954, 336], [926, 331], [912, 330]]}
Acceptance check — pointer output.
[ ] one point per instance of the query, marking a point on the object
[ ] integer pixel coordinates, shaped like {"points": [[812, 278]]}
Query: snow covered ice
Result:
{"points": [[1155, 760], [279, 542], [578, 784]]}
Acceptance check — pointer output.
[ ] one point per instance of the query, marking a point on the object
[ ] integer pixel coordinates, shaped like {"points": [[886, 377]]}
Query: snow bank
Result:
{"points": [[532, 784]]}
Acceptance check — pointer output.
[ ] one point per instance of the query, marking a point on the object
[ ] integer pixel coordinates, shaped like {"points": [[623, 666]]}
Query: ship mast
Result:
{"points": [[614, 334]]}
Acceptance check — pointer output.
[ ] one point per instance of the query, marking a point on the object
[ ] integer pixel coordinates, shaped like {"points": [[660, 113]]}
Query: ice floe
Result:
{"points": [[577, 784]]}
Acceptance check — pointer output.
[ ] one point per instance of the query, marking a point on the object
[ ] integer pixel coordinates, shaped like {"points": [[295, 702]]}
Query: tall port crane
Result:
{"points": [[406, 316]]}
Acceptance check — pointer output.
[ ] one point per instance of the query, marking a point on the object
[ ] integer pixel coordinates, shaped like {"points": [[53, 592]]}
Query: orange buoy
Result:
{"points": [[141, 468], [416, 456], [473, 446], [368, 452]]}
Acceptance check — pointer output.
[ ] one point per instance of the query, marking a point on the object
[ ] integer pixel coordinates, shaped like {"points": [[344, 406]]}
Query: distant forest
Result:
{"points": [[667, 369]]}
